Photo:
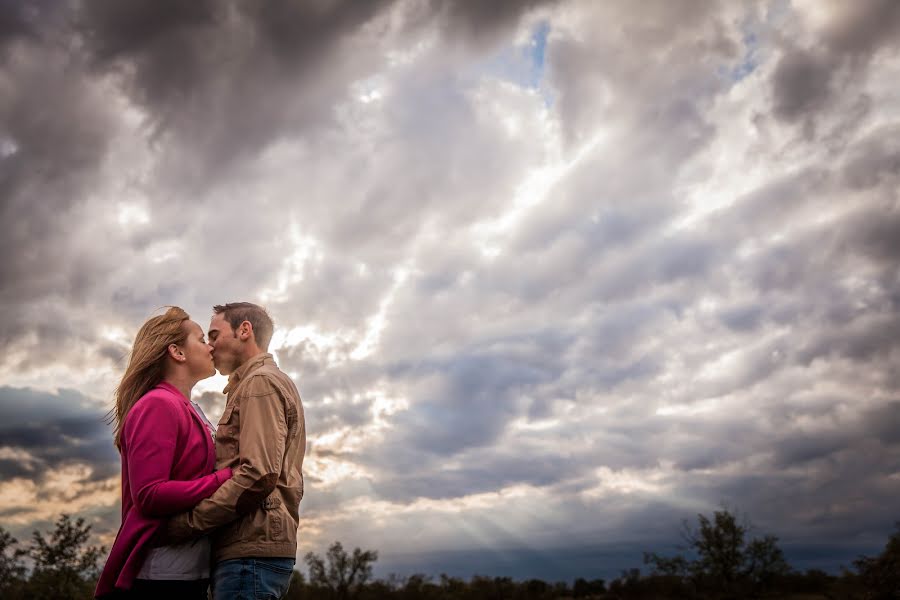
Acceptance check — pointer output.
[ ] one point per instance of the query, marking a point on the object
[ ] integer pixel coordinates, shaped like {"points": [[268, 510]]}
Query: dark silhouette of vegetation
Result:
{"points": [[725, 564], [345, 574], [718, 562], [880, 575], [12, 571], [63, 565]]}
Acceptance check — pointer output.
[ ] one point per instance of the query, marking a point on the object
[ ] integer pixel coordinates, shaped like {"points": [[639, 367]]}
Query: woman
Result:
{"points": [[168, 457]]}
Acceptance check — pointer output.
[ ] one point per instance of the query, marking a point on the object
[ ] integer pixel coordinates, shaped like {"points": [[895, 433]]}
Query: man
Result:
{"points": [[262, 438]]}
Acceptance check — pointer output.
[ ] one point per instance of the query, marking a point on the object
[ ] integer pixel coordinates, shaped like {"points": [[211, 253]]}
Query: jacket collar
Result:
{"points": [[242, 371], [172, 389]]}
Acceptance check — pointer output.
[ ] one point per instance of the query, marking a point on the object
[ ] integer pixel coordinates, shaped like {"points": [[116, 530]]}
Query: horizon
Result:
{"points": [[551, 276], [565, 564]]}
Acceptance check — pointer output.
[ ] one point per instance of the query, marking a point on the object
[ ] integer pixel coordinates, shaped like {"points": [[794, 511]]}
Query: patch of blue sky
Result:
{"points": [[749, 59], [538, 43], [522, 64]]}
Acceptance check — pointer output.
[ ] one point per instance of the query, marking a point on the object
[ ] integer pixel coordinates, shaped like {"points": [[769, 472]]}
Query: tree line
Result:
{"points": [[719, 561]]}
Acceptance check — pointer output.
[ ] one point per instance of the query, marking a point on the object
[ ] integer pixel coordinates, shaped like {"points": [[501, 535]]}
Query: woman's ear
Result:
{"points": [[176, 353]]}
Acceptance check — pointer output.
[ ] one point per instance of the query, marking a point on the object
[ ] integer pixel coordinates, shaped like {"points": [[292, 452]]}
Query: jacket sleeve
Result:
{"points": [[151, 434], [263, 438]]}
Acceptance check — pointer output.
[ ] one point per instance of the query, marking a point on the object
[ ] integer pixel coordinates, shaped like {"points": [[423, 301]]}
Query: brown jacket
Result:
{"points": [[262, 438]]}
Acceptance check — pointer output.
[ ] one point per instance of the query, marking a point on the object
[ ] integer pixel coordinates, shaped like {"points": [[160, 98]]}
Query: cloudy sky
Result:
{"points": [[551, 276]]}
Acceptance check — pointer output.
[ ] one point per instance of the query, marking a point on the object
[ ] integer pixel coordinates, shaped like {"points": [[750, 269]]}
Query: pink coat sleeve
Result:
{"points": [[150, 434]]}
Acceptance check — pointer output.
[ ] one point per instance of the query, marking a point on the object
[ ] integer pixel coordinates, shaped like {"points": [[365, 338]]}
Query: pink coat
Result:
{"points": [[168, 457]]}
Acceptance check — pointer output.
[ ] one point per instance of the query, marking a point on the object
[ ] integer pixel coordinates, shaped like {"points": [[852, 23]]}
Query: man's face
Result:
{"points": [[226, 346]]}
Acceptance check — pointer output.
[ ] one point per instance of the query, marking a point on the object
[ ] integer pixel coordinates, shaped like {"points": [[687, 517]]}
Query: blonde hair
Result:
{"points": [[145, 366]]}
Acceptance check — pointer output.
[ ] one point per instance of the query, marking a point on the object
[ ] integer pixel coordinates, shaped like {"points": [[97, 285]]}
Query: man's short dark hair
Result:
{"points": [[238, 312]]}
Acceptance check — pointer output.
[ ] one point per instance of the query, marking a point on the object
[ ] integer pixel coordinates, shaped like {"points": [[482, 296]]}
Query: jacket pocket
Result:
{"points": [[227, 436], [226, 416]]}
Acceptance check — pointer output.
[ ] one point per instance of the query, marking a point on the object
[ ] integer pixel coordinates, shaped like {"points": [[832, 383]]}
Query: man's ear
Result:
{"points": [[246, 330]]}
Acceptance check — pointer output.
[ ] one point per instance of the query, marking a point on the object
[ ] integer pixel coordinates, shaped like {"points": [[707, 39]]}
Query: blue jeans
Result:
{"points": [[252, 578]]}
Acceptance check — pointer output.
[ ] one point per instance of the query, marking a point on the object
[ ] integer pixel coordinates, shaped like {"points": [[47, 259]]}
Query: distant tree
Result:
{"points": [[503, 587], [65, 567], [764, 562], [12, 570], [560, 589], [582, 588], [880, 575], [419, 587], [452, 588], [718, 542], [377, 590], [628, 585], [342, 574], [724, 560], [813, 581], [672, 566], [534, 588]]}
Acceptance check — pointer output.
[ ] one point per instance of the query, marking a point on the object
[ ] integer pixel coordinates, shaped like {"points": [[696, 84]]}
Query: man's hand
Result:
{"points": [[176, 531]]}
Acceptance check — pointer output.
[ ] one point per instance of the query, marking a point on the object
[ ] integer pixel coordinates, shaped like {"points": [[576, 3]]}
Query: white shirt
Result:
{"points": [[182, 562]]}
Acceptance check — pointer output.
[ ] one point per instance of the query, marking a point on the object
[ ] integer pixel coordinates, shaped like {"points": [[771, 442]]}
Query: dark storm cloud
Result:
{"points": [[865, 338], [54, 133], [57, 133], [333, 396], [875, 236], [884, 423], [23, 407], [806, 80], [874, 162], [864, 27], [663, 262], [479, 476], [694, 42], [800, 449], [199, 69], [480, 23], [873, 428], [185, 63], [15, 21], [802, 84], [338, 410], [58, 443], [742, 318], [54, 430], [836, 492], [808, 466], [44, 333], [468, 401]]}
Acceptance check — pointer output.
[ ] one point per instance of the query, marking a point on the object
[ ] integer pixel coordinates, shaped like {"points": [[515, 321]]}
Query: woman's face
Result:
{"points": [[197, 352]]}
